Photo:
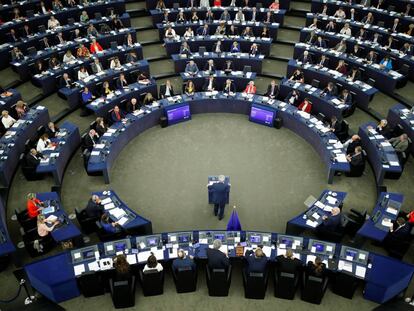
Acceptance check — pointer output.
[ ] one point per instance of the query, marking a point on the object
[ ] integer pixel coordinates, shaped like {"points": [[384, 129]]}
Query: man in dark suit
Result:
{"points": [[352, 143], [122, 82], [94, 209], [228, 67], [335, 125], [292, 98], [272, 90], [32, 160], [91, 140], [323, 61], [66, 81], [166, 90], [330, 89], [256, 261], [320, 43], [209, 84], [356, 160], [287, 263], [183, 261], [305, 58], [332, 222], [398, 236], [216, 259], [117, 114], [203, 30], [210, 66], [219, 195]]}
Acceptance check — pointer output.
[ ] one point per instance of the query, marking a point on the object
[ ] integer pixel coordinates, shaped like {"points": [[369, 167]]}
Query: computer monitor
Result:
{"points": [[152, 241], [255, 239], [114, 247], [178, 113], [319, 247], [145, 242], [353, 254], [220, 236], [88, 254], [183, 239], [261, 115], [84, 254], [288, 242]]}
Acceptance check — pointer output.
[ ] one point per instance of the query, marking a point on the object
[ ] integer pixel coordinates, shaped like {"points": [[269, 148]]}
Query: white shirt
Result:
{"points": [[67, 59], [239, 17], [167, 91], [346, 31], [42, 145], [82, 75], [159, 268], [7, 122]]}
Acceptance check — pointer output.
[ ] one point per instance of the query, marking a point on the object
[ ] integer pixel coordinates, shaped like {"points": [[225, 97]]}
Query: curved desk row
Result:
{"points": [[313, 131], [7, 8], [158, 15], [255, 27], [239, 79], [102, 105], [66, 143], [127, 218], [73, 95], [401, 38], [381, 154], [239, 60], [399, 114], [385, 81], [13, 142], [6, 102], [172, 46], [67, 231], [325, 104], [24, 68], [312, 217], [364, 92], [225, 3], [384, 15], [55, 276], [35, 40], [399, 59], [49, 80], [377, 227], [63, 15]]}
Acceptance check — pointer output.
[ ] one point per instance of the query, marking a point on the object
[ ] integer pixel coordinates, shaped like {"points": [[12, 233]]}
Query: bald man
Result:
{"points": [[331, 222]]}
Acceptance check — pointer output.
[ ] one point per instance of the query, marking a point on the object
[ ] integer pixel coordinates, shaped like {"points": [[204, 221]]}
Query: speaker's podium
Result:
{"points": [[214, 179]]}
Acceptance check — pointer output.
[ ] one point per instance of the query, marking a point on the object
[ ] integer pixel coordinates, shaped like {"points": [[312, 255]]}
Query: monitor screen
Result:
{"points": [[351, 253], [178, 114], [288, 242], [319, 247], [219, 236], [255, 239], [120, 246], [262, 116], [184, 239], [87, 254], [152, 241]]}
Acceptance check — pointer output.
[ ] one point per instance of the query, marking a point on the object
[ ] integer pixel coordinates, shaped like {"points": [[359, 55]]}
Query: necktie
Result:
{"points": [[118, 117]]}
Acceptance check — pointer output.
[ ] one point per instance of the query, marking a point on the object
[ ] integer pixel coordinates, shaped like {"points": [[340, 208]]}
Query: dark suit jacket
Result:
{"points": [[275, 91], [89, 142], [254, 264], [49, 132], [163, 89], [295, 103], [94, 210], [288, 265], [351, 147], [206, 82], [200, 31], [206, 67], [32, 162], [120, 85], [332, 222], [63, 83], [114, 117], [321, 44], [310, 270], [219, 192], [216, 259], [308, 59], [337, 126], [183, 263]]}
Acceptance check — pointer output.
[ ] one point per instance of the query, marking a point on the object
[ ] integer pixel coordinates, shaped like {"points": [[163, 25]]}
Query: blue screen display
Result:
{"points": [[152, 241], [287, 242], [262, 116], [255, 239], [88, 254], [120, 246], [184, 239], [319, 247], [350, 253], [219, 237], [178, 114]]}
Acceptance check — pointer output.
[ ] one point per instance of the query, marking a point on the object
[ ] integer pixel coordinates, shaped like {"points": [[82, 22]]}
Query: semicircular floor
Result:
{"points": [[162, 174]]}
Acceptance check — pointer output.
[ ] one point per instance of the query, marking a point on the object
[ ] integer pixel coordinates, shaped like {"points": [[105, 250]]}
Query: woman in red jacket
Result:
{"points": [[217, 3], [34, 205], [305, 106], [95, 47]]}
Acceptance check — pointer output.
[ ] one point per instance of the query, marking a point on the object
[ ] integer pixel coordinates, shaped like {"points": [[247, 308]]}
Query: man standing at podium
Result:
{"points": [[219, 191]]}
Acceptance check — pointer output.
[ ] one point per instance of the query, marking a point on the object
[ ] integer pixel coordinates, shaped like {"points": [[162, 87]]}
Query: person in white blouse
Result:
{"points": [[153, 264], [205, 3], [52, 23], [6, 119], [239, 16], [82, 73], [189, 33], [340, 13], [170, 33], [346, 30], [43, 143], [68, 57], [115, 63]]}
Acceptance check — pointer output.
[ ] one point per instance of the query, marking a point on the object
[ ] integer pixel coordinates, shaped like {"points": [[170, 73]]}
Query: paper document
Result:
{"points": [[79, 269], [94, 266], [106, 201], [311, 223], [117, 212], [109, 206], [360, 271], [143, 256], [132, 259], [122, 221]]}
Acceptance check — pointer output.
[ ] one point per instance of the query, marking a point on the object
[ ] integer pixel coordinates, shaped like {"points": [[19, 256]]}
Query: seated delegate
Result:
{"points": [[152, 264], [183, 261], [45, 226], [33, 205], [256, 261], [122, 268], [216, 259], [288, 263], [332, 222], [108, 225], [94, 208]]}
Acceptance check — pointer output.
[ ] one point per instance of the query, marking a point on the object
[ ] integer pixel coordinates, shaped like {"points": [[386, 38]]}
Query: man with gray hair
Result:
{"points": [[219, 192], [94, 209], [216, 259]]}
